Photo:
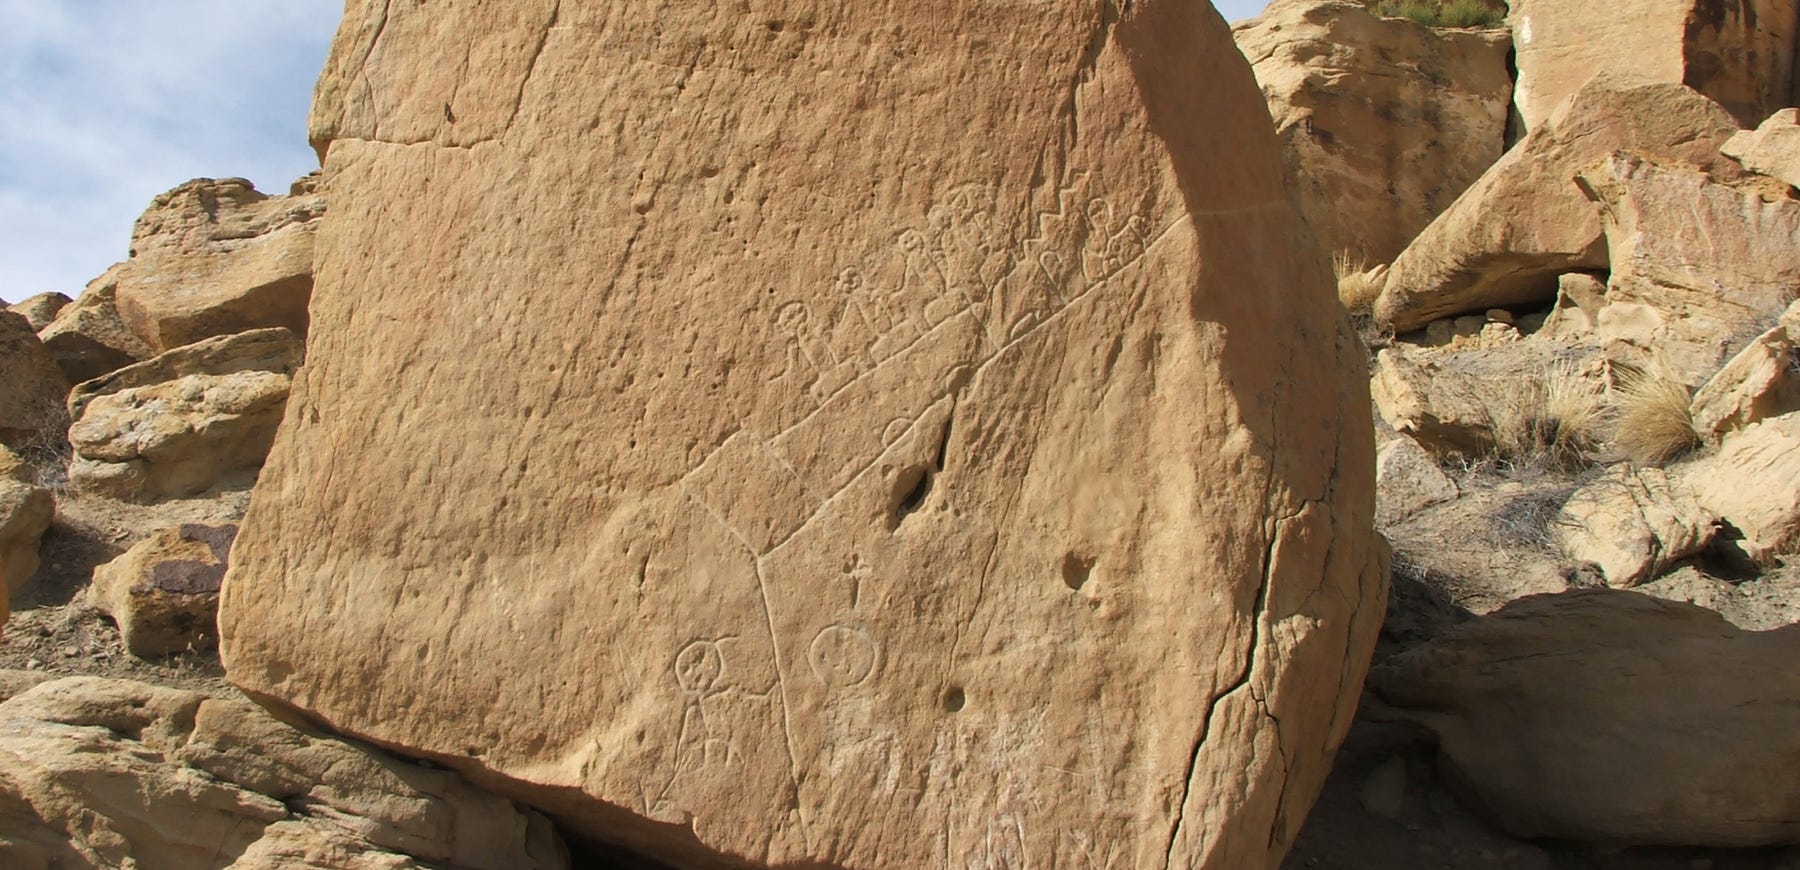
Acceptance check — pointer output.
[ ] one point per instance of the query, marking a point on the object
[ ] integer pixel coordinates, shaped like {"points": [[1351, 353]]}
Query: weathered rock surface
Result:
{"points": [[1383, 121], [216, 257], [1408, 480], [1740, 53], [1525, 221], [32, 388], [1441, 409], [98, 773], [1772, 149], [25, 513], [164, 591], [1762, 381], [1604, 715], [87, 339], [40, 310], [1633, 524], [793, 482], [179, 424], [1754, 484]]}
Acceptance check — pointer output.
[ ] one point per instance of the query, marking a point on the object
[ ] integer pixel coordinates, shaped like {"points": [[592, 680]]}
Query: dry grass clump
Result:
{"points": [[1652, 423], [1357, 283], [1443, 13], [1559, 419]]}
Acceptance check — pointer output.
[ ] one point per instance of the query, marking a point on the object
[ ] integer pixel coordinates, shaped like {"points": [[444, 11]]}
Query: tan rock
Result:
{"points": [[1772, 149], [181, 423], [1579, 298], [1383, 121], [1609, 716], [164, 591], [25, 513], [1699, 267], [1633, 524], [102, 773], [1408, 480], [216, 257], [40, 310], [1762, 381], [32, 388], [87, 339], [1740, 54], [792, 482], [1754, 484], [1525, 222], [1441, 409]]}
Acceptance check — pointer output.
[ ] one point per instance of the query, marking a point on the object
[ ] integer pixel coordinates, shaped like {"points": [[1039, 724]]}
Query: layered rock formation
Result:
{"points": [[33, 388], [790, 479]]}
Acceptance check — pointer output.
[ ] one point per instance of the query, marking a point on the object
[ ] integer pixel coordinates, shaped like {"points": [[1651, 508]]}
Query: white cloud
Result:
{"points": [[109, 102]]}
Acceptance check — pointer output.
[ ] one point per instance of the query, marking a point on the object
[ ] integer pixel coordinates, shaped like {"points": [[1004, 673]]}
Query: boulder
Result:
{"points": [[1633, 524], [1699, 267], [40, 310], [1382, 121], [1440, 408], [1753, 482], [1762, 381], [1740, 53], [1525, 222], [164, 591], [185, 421], [98, 773], [1408, 480], [32, 388], [1609, 716], [87, 339], [216, 257], [25, 514], [1772, 149], [796, 484]]}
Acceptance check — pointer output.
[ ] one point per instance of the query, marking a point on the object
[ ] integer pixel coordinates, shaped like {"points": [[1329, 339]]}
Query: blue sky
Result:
{"points": [[109, 102]]}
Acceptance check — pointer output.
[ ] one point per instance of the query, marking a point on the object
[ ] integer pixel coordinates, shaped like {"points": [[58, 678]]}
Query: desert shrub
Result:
{"points": [[1652, 423], [1443, 13], [1357, 284], [1558, 419]]}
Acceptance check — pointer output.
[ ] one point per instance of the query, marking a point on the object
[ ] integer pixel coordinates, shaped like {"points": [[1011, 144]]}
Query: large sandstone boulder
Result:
{"points": [[1383, 121], [183, 422], [25, 514], [87, 339], [1762, 381], [1754, 484], [1633, 524], [1740, 53], [790, 481], [216, 257], [40, 310], [1525, 222], [164, 592], [32, 388], [1609, 716], [1772, 149], [99, 773]]}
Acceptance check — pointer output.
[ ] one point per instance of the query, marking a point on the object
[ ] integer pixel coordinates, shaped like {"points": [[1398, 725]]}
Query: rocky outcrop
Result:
{"points": [[1633, 524], [1382, 121], [1609, 716], [1740, 53], [217, 257], [1762, 381], [164, 591], [87, 339], [98, 773], [40, 310], [1442, 409], [1525, 222], [32, 388], [1754, 484], [864, 493], [1408, 480], [1772, 149], [179, 424], [25, 514]]}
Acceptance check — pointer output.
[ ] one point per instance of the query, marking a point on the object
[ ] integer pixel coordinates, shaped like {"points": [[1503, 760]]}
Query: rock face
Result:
{"points": [[32, 388], [1681, 718], [87, 339], [25, 513], [180, 423], [40, 310], [1633, 524], [1754, 483], [1739, 53], [98, 773], [1772, 149], [1383, 122], [1762, 381], [868, 499], [164, 591], [1525, 222]]}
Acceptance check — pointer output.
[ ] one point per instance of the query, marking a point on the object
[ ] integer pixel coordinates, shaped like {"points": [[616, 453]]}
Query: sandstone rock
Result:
{"points": [[1382, 121], [793, 482], [216, 257], [1762, 381], [1442, 409], [164, 591], [25, 514], [1740, 54], [32, 388], [1579, 298], [1408, 480], [88, 339], [1699, 267], [1609, 716], [40, 310], [1772, 149], [1524, 222], [262, 350], [106, 773], [1754, 484], [1633, 524]]}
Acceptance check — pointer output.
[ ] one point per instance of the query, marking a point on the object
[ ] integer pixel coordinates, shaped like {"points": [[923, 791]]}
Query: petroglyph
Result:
{"points": [[843, 656]]}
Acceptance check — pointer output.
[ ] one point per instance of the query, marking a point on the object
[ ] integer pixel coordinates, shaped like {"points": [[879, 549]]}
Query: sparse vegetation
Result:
{"points": [[1558, 420], [1443, 13], [1357, 283], [1652, 423]]}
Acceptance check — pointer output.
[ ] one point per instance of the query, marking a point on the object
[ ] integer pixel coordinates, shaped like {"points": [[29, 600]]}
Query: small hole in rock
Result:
{"points": [[1076, 570], [954, 699], [910, 490]]}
